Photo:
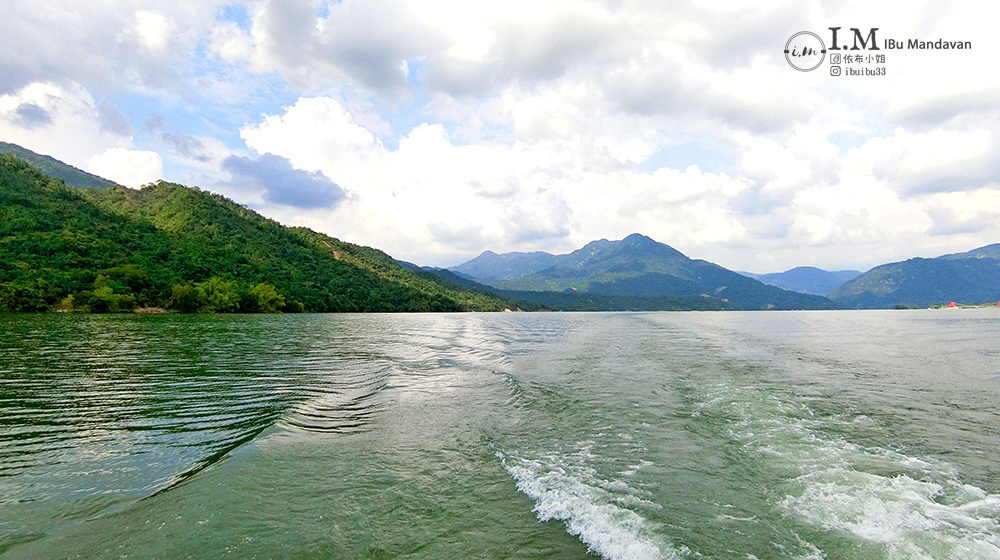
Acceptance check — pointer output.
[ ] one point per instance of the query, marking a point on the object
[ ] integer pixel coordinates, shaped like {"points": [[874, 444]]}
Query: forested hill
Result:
{"points": [[54, 168], [170, 246], [966, 278]]}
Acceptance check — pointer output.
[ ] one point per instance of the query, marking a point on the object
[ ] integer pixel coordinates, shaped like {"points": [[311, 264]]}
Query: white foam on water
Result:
{"points": [[564, 488], [915, 508], [912, 518]]}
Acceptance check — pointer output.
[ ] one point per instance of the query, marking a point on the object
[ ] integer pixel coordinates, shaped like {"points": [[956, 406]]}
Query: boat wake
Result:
{"points": [[599, 511], [907, 506]]}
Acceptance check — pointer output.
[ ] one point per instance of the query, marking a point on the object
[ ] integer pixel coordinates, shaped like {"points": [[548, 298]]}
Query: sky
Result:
{"points": [[437, 129]]}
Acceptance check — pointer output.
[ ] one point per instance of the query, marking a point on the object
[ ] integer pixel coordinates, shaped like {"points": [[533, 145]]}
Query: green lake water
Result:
{"points": [[729, 435]]}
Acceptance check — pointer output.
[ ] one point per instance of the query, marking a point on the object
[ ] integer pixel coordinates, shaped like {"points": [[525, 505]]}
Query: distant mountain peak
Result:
{"points": [[650, 245], [636, 266], [596, 245], [489, 266], [638, 238], [807, 279]]}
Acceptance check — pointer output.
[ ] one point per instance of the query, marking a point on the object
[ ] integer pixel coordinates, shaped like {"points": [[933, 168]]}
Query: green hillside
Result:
{"points": [[178, 247], [54, 168], [970, 278]]}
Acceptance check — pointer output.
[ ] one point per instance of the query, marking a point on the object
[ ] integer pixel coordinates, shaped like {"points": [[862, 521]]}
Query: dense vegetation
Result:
{"points": [[56, 169], [177, 247]]}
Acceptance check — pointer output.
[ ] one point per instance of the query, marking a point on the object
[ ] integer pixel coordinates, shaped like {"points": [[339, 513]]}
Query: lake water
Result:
{"points": [[728, 435]]}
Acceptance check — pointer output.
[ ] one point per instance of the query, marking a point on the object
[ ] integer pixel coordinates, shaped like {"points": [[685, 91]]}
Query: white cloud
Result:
{"points": [[966, 214], [925, 162], [154, 31], [462, 126], [132, 168], [230, 42], [107, 46], [65, 123], [322, 135], [548, 192]]}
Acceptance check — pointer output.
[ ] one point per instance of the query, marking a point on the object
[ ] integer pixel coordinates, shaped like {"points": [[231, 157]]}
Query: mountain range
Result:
{"points": [[806, 279], [74, 241], [636, 266]]}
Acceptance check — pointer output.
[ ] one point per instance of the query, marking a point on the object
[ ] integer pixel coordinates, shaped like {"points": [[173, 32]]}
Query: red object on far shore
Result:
{"points": [[952, 304]]}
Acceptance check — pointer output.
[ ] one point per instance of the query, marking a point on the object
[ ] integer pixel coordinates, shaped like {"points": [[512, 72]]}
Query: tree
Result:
{"points": [[264, 298], [187, 298], [221, 296], [104, 299]]}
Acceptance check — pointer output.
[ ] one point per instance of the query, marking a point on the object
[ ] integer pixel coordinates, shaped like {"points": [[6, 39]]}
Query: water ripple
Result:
{"points": [[136, 405]]}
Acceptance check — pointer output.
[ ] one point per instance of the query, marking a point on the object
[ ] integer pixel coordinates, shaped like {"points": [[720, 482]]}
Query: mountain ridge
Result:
{"points": [[171, 246], [806, 279], [639, 266], [972, 277], [58, 241], [52, 167]]}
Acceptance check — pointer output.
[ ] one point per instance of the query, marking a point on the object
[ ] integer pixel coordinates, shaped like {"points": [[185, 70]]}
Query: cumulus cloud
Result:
{"points": [[107, 46], [29, 116], [132, 168], [230, 42], [539, 218], [67, 124], [284, 184], [154, 30], [969, 215], [568, 173], [548, 192], [930, 162], [524, 125], [366, 43], [64, 122], [662, 59], [940, 108]]}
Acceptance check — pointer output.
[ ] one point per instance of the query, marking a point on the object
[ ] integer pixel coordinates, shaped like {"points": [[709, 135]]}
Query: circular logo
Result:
{"points": [[805, 51]]}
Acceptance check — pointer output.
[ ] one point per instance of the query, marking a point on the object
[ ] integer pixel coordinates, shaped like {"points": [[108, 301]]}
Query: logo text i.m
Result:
{"points": [[805, 51], [859, 39]]}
